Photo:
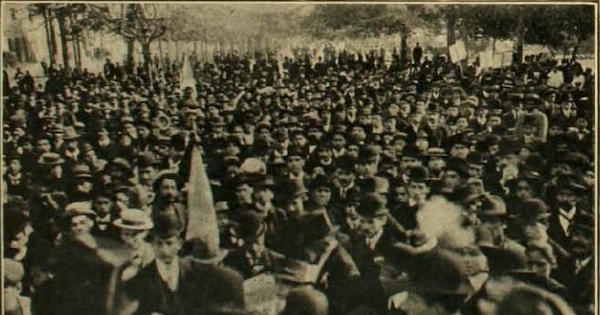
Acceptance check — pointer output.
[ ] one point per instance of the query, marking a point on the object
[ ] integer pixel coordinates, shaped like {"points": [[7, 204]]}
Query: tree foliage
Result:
{"points": [[361, 20]]}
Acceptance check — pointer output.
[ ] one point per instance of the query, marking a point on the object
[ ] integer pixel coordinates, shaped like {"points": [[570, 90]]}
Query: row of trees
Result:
{"points": [[558, 27], [555, 26]]}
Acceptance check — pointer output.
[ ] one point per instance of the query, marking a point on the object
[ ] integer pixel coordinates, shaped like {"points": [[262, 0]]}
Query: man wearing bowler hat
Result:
{"points": [[156, 288], [566, 196]]}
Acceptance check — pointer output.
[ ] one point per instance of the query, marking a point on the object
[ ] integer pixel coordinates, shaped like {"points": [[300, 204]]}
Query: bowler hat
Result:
{"points": [[438, 273], [147, 159], [217, 122], [533, 210], [134, 220], [79, 208], [265, 181], [82, 171], [50, 158], [295, 188], [319, 181], [166, 225], [435, 152], [14, 218], [572, 183], [372, 205], [213, 290], [70, 133], [167, 174], [316, 226], [251, 225], [306, 300]]}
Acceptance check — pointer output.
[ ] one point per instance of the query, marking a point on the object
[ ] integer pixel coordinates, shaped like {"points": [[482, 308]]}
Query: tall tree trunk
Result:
{"points": [[64, 42], [520, 39], [403, 49], [130, 59], [48, 35], [451, 31], [53, 43], [78, 45]]}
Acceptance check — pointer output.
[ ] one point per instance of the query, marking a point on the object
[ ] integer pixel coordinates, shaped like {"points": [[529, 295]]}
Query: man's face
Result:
{"points": [[295, 208], [367, 168], [390, 125], [462, 123], [566, 198], [133, 239], [450, 179], [243, 193], [14, 166], [263, 195], [43, 146], [523, 190], [418, 191], [81, 225], [372, 225], [321, 196], [147, 175], [459, 151], [408, 161], [404, 110], [255, 246], [166, 249], [581, 243], [345, 177], [352, 151], [358, 134], [436, 164], [338, 142], [401, 194], [295, 163], [299, 141], [168, 190], [475, 170], [102, 206], [495, 121]]}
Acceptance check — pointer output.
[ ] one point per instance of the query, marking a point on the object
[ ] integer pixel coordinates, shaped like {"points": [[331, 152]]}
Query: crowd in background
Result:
{"points": [[365, 187]]}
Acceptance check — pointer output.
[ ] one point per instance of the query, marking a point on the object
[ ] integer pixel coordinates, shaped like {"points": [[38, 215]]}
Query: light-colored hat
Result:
{"points": [[135, 220]]}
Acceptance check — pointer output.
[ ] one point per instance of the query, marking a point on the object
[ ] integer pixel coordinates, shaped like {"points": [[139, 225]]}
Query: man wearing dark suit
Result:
{"points": [[567, 194], [371, 248], [577, 273], [157, 287]]}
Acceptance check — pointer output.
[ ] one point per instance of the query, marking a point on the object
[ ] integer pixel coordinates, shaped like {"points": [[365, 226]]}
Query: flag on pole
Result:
{"points": [[202, 223]]}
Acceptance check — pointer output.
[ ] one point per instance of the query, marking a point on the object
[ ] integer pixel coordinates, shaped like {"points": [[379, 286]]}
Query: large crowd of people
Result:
{"points": [[363, 186]]}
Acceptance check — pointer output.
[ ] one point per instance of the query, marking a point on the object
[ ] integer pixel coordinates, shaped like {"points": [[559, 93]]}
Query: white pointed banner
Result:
{"points": [[202, 223]]}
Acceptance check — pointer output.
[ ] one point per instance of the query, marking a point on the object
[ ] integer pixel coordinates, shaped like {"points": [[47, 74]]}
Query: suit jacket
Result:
{"points": [[555, 230], [580, 286], [153, 294], [371, 264]]}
